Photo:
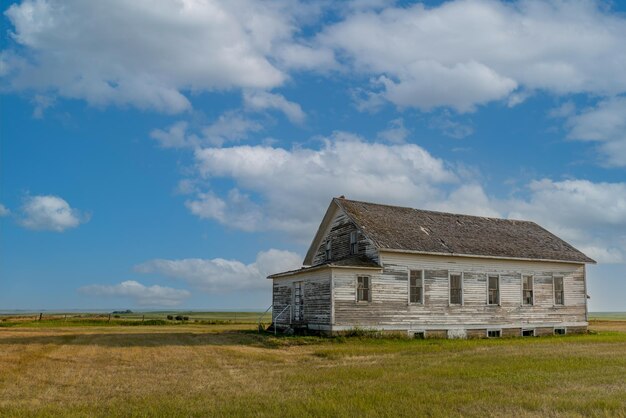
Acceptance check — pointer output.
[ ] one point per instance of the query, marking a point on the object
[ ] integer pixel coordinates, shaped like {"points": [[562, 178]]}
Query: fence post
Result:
{"points": [[40, 315], [109, 317]]}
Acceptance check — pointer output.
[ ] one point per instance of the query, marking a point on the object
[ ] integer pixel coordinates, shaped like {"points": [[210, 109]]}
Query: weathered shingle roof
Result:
{"points": [[349, 262], [399, 228]]}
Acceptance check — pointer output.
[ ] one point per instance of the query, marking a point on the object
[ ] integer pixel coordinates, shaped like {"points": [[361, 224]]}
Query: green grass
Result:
{"points": [[217, 370]]}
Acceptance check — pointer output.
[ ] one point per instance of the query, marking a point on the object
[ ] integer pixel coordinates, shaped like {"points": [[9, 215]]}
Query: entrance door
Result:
{"points": [[298, 301]]}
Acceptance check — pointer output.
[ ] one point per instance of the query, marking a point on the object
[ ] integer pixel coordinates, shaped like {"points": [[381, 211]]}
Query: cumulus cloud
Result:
{"points": [[4, 211], [605, 124], [464, 53], [296, 184], [157, 52], [221, 275], [50, 213], [590, 215], [143, 295], [262, 100]]}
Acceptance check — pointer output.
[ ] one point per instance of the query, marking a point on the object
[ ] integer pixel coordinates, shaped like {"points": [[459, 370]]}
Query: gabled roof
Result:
{"points": [[355, 262], [422, 231]]}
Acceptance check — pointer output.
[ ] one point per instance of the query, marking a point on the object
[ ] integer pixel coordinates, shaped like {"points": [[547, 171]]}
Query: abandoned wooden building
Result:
{"points": [[432, 274]]}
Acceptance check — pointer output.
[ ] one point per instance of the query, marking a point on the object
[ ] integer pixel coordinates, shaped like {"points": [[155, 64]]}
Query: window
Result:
{"points": [[416, 286], [559, 331], [494, 290], [494, 333], [528, 333], [328, 252], [558, 291], [363, 289], [456, 289], [527, 290], [354, 245], [419, 335]]}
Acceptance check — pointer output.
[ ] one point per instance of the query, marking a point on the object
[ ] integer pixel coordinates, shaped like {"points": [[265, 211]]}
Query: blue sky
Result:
{"points": [[172, 154]]}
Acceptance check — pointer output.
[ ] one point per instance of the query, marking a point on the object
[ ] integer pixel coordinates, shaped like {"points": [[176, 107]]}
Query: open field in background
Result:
{"points": [[230, 370], [608, 316], [48, 319]]}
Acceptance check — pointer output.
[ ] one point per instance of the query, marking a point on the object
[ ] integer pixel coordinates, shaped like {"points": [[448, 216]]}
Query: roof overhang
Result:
{"points": [[320, 267], [390, 250]]}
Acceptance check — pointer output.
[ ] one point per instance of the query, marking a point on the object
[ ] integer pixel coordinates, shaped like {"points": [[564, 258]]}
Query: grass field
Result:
{"points": [[229, 370]]}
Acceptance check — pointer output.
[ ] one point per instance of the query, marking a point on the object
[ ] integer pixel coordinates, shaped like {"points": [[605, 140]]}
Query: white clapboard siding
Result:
{"points": [[317, 296], [389, 304]]}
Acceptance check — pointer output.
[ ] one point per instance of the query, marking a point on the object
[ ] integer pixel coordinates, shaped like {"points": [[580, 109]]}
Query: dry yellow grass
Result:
{"points": [[229, 371]]}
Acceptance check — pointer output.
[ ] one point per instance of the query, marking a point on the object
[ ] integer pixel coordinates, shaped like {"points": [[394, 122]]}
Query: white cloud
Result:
{"points": [[605, 124], [296, 185], [50, 213], [143, 295], [220, 275], [174, 137], [229, 126], [262, 100], [156, 52], [591, 216], [4, 211], [396, 133], [465, 53]]}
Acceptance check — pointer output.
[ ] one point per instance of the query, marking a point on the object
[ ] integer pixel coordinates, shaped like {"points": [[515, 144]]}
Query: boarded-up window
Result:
{"points": [[558, 291], [527, 290], [456, 290], [416, 286], [354, 245], [494, 290], [327, 253], [363, 289]]}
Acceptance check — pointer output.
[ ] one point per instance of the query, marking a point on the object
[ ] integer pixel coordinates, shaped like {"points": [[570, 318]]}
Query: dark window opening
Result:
{"points": [[528, 333], [559, 331], [494, 333], [456, 290], [494, 290], [363, 289], [559, 294], [354, 244], [416, 287], [527, 290]]}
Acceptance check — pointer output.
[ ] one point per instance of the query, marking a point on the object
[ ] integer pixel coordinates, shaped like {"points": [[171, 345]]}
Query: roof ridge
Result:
{"points": [[435, 211]]}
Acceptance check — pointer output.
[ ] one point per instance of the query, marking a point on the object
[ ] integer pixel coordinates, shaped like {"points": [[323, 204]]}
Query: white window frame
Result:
{"points": [[354, 242], [534, 331], [532, 289], [450, 274], [328, 250], [499, 290], [409, 287], [554, 276], [356, 288]]}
